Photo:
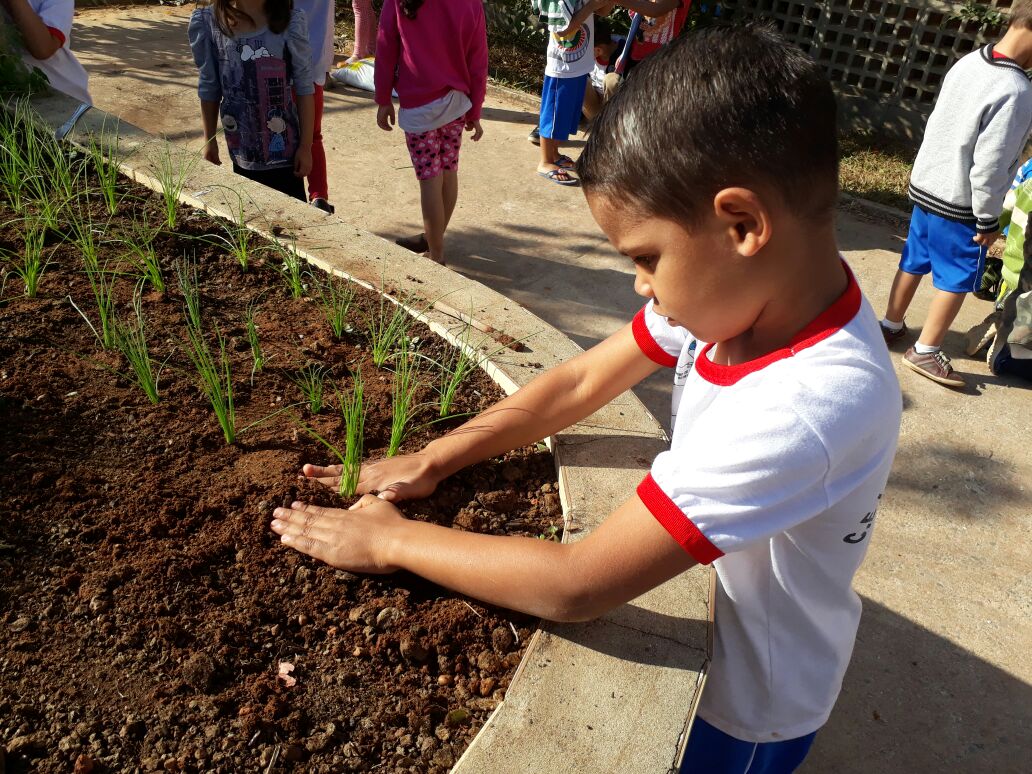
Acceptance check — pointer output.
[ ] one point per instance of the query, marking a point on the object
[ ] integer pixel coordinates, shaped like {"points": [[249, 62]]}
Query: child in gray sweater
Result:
{"points": [[981, 120]]}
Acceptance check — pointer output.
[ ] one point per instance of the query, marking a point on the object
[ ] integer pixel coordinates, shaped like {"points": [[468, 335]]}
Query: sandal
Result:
{"points": [[416, 244], [560, 176], [565, 162]]}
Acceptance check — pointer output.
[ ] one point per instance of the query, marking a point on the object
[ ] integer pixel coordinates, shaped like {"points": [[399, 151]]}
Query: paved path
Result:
{"points": [[941, 675]]}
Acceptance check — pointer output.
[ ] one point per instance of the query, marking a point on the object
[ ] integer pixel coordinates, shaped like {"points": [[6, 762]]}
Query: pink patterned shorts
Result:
{"points": [[436, 151]]}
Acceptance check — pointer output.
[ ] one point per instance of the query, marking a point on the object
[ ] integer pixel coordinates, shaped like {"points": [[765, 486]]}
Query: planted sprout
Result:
{"points": [[252, 338], [172, 168], [310, 381], [12, 157], [143, 255], [292, 268], [353, 408], [216, 378], [32, 264], [131, 340], [403, 396], [186, 273], [455, 372], [386, 329], [335, 297], [104, 154]]}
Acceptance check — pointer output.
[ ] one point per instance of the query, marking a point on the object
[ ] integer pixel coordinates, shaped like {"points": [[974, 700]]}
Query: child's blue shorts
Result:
{"points": [[944, 248], [711, 751], [562, 100]]}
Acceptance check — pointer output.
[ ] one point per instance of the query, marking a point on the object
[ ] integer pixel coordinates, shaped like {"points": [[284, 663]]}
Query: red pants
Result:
{"points": [[318, 187]]}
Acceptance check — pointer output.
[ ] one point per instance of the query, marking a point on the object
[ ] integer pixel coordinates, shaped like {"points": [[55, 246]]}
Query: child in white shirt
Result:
{"points": [[46, 31]]}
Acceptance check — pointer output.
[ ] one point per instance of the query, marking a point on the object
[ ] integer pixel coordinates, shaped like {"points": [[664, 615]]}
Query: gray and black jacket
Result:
{"points": [[973, 140]]}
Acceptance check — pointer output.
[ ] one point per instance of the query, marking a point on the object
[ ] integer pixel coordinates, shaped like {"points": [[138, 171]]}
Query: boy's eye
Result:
{"points": [[645, 261]]}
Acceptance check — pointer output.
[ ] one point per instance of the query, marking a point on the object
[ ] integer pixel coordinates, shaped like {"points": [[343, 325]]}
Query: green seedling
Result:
{"points": [[12, 158], [131, 341], [292, 268], [215, 377], [310, 381], [104, 155], [237, 236], [32, 263], [353, 408], [186, 273], [551, 534], [456, 371], [172, 168], [403, 396], [252, 338], [386, 329], [142, 254], [335, 297]]}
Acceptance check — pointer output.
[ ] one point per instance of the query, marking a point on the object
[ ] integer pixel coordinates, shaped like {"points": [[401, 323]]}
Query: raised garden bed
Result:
{"points": [[148, 611]]}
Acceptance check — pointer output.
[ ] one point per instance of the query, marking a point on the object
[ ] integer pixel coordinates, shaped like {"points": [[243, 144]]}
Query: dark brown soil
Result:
{"points": [[145, 607]]}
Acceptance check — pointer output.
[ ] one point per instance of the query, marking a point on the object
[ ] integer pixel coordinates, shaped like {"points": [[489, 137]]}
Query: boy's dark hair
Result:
{"points": [[1020, 14], [603, 31], [719, 107]]}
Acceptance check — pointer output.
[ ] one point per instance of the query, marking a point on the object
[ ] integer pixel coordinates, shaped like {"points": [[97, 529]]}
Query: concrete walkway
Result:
{"points": [[941, 676]]}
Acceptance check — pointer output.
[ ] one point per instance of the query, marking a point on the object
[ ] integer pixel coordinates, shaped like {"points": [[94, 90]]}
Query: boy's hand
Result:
{"points": [[303, 161], [211, 150], [986, 240], [385, 117], [408, 477], [357, 539], [476, 128]]}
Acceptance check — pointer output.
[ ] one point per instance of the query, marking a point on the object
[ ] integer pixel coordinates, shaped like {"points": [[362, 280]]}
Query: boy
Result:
{"points": [[775, 468], [602, 81], [981, 120], [46, 29]]}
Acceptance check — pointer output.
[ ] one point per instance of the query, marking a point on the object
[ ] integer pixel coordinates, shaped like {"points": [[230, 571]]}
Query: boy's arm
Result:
{"points": [[605, 7], [40, 40], [553, 401], [995, 150], [630, 553]]}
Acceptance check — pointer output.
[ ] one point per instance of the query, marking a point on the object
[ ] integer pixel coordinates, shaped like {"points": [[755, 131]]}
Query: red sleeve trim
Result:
{"points": [[676, 522], [647, 344], [57, 35]]}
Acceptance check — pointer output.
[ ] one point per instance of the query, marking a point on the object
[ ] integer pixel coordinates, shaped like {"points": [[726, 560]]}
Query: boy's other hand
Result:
{"points": [[303, 161], [407, 477], [986, 240], [476, 128], [357, 539], [211, 151], [385, 117]]}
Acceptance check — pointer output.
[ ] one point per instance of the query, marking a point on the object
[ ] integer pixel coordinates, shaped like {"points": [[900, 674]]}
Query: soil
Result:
{"points": [[149, 618]]}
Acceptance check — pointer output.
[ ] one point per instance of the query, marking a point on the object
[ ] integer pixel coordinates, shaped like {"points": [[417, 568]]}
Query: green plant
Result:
{"points": [[252, 338], [216, 378], [385, 329], [551, 533], [352, 406], [237, 237], [404, 387], [310, 381], [292, 268], [32, 263], [335, 297], [142, 254], [131, 341], [186, 273], [12, 157], [172, 168], [456, 370], [979, 13], [104, 154]]}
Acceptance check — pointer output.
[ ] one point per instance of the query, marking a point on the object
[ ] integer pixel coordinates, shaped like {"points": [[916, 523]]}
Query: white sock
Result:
{"points": [[924, 349], [892, 326]]}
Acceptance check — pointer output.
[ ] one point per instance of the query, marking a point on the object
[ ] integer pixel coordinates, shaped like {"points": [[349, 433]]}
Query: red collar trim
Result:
{"points": [[830, 321]]}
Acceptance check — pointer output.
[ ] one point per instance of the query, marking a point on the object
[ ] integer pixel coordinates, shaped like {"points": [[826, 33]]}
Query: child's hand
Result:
{"points": [[211, 151], [385, 117], [986, 240], [407, 477], [303, 161], [476, 128], [347, 540]]}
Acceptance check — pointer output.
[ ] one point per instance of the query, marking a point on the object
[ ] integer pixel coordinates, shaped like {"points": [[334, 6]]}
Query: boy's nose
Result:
{"points": [[642, 285]]}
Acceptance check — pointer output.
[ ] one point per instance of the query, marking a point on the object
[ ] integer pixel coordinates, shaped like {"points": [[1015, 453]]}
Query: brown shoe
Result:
{"points": [[935, 365], [891, 335]]}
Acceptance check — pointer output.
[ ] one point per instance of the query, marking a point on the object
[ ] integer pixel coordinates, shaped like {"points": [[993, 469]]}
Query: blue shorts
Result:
{"points": [[944, 248], [711, 751], [562, 100]]}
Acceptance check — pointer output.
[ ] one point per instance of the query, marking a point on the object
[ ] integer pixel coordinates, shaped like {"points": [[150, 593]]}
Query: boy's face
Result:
{"points": [[699, 280]]}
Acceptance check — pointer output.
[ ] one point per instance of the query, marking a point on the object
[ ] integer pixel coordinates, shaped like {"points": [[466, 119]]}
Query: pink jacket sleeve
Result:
{"points": [[476, 58], [388, 49]]}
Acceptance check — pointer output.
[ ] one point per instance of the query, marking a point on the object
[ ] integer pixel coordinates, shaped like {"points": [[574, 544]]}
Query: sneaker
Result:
{"points": [[321, 204], [998, 355], [891, 335], [534, 136], [979, 337], [933, 365]]}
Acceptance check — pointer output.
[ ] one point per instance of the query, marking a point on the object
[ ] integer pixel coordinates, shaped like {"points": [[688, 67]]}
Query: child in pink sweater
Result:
{"points": [[437, 62]]}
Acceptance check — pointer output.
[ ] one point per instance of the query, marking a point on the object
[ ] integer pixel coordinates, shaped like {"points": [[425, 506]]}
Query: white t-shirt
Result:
{"points": [[62, 69], [435, 114], [774, 474], [319, 14], [573, 57]]}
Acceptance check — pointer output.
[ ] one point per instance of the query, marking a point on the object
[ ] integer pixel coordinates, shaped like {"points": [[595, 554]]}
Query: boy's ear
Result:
{"points": [[745, 218]]}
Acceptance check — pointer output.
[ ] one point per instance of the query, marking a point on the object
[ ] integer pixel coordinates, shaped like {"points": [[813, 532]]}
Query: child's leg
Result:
{"points": [[592, 103], [365, 28], [318, 186], [914, 263], [941, 314], [431, 200], [450, 193], [711, 751], [904, 286]]}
